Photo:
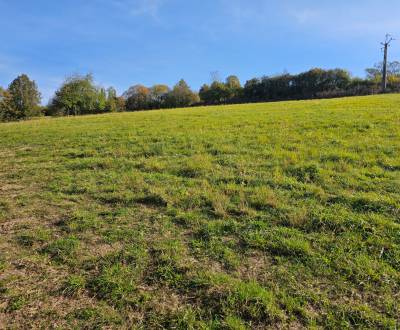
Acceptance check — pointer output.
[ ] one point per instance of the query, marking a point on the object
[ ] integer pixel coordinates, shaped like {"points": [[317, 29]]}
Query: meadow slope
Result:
{"points": [[278, 215]]}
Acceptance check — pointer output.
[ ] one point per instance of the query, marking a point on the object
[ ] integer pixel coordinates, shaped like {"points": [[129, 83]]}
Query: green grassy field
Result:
{"points": [[279, 215]]}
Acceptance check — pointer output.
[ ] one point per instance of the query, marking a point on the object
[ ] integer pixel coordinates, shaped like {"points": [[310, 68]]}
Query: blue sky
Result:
{"points": [[125, 42]]}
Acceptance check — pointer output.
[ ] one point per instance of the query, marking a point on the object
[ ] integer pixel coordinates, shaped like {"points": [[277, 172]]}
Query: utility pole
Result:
{"points": [[385, 45]]}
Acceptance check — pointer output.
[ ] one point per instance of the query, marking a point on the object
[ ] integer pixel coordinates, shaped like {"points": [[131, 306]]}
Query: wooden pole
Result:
{"points": [[384, 74], [385, 45]]}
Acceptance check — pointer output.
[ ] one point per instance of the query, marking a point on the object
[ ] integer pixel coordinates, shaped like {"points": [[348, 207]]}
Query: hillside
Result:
{"points": [[278, 215]]}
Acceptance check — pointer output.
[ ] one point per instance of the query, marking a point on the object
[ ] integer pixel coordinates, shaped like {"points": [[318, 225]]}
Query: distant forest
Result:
{"points": [[79, 95]]}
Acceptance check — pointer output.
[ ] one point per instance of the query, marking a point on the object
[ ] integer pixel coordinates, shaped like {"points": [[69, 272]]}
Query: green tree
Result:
{"points": [[76, 96], [233, 82], [121, 104], [205, 94], [101, 100], [217, 93], [393, 74], [375, 73], [234, 88], [7, 109], [111, 100], [182, 96], [158, 94], [25, 97], [220, 92], [137, 98]]}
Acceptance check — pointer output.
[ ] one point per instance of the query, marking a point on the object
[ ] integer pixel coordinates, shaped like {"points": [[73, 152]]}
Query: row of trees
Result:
{"points": [[315, 83], [79, 95], [218, 92], [139, 97]]}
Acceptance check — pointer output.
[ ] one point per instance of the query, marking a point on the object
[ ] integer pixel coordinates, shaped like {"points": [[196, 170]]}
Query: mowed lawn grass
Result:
{"points": [[278, 215]]}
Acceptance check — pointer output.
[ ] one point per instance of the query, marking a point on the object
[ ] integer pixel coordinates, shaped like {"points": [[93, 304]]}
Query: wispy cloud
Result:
{"points": [[332, 19], [305, 15], [149, 8], [346, 19], [242, 12]]}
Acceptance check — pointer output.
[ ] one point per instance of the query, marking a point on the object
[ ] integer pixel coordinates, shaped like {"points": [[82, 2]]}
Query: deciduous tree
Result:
{"points": [[137, 98], [158, 94], [25, 97], [78, 95], [375, 73], [7, 110], [111, 100], [182, 96]]}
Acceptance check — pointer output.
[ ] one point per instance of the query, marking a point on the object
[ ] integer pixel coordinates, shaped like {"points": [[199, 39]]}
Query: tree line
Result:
{"points": [[79, 95]]}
